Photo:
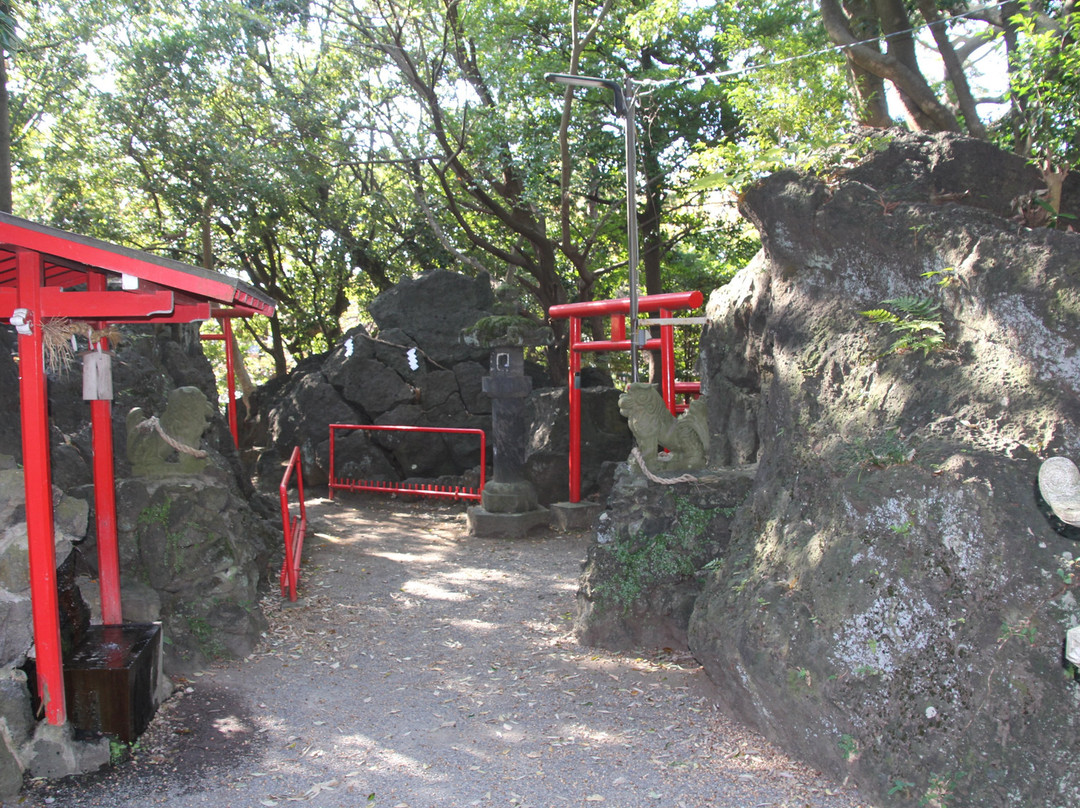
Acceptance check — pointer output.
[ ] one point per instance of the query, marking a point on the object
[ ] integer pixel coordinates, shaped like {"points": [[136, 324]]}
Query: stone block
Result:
{"points": [[485, 524], [574, 516], [11, 771], [1072, 645], [16, 627], [15, 711], [54, 752], [71, 516], [12, 495], [15, 559]]}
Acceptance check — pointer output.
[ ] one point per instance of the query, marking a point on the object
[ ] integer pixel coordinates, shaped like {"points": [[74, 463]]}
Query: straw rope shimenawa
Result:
{"points": [[58, 344], [640, 460], [153, 423]]}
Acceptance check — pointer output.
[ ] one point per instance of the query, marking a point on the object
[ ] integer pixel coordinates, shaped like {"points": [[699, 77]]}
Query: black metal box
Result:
{"points": [[110, 680]]}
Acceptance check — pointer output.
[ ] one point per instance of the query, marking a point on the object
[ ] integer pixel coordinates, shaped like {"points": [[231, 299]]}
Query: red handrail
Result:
{"points": [[294, 527]]}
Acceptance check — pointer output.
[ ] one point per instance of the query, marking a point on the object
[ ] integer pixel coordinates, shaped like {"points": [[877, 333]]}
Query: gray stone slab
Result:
{"points": [[573, 516], [486, 524]]}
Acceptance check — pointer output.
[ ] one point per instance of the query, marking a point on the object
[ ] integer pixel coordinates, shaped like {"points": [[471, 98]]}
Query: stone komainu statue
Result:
{"points": [[169, 445], [686, 438]]}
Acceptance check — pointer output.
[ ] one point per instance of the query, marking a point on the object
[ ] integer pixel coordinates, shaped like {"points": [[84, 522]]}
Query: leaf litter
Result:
{"points": [[425, 667]]}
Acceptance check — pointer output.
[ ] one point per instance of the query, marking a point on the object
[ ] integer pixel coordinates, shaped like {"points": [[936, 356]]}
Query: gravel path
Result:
{"points": [[422, 667]]}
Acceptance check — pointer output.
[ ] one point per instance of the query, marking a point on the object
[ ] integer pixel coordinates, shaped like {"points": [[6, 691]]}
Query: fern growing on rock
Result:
{"points": [[916, 320]]}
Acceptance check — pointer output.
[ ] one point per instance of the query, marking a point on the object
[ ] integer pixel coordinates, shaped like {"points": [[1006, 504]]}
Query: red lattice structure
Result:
{"points": [[294, 527], [395, 487]]}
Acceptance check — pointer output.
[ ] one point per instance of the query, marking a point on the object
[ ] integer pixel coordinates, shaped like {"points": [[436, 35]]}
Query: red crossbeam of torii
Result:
{"points": [[48, 274]]}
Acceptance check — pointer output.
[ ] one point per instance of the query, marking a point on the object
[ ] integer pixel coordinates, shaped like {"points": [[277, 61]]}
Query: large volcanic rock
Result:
{"points": [[894, 597], [890, 598]]}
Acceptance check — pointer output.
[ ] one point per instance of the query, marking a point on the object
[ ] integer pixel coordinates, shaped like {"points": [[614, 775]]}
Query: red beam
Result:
{"points": [[104, 305], [181, 313], [38, 483], [675, 301]]}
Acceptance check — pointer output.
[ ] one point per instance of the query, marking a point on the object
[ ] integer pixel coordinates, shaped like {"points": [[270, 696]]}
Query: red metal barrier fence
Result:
{"points": [[294, 527], [416, 489]]}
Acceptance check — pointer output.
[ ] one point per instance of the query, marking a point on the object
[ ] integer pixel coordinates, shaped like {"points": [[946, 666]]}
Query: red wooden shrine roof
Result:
{"points": [[85, 278]]}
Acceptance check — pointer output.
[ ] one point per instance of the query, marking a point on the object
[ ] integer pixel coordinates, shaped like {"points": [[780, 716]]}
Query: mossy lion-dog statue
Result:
{"points": [[686, 438]]}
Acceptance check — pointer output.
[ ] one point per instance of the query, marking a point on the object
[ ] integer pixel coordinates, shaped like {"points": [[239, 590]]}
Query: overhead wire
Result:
{"points": [[738, 71]]}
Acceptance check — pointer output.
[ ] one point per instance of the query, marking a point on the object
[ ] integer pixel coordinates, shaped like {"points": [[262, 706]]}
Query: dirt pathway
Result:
{"points": [[422, 667]]}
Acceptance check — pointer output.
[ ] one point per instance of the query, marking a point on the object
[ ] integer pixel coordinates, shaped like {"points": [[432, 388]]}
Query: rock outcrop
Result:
{"points": [[886, 596], [893, 600], [418, 370]]}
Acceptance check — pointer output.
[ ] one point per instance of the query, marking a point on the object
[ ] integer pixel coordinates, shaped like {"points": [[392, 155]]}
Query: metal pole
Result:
{"points": [[624, 106], [632, 223]]}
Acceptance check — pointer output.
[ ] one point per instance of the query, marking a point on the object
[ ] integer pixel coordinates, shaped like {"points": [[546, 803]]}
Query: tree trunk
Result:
{"points": [[925, 110], [953, 69], [5, 139]]}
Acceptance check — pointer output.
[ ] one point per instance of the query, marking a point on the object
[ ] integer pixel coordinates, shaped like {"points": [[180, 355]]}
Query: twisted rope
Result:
{"points": [[153, 423], [685, 478]]}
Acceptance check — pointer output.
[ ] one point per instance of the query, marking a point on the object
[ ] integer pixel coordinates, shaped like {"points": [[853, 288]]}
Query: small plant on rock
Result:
{"points": [[848, 746], [645, 563], [917, 321]]}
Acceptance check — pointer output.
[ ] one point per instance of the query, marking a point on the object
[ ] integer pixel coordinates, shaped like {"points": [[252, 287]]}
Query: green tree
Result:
{"points": [[8, 40], [469, 78], [1044, 67]]}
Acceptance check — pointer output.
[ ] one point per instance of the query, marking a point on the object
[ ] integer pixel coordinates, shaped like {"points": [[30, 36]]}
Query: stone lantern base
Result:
{"points": [[486, 524]]}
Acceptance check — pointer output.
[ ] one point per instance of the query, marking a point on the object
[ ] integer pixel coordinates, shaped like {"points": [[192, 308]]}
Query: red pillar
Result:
{"points": [[230, 374], [667, 362], [574, 395], [105, 512], [37, 471], [108, 545]]}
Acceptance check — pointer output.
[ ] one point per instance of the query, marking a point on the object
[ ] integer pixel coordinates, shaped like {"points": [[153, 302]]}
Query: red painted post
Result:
{"points": [[667, 362], [230, 373], [294, 528], [108, 545], [575, 410], [333, 480], [37, 473], [105, 512], [618, 328]]}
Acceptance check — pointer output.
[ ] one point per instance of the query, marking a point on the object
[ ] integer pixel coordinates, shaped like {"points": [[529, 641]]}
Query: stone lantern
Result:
{"points": [[508, 502]]}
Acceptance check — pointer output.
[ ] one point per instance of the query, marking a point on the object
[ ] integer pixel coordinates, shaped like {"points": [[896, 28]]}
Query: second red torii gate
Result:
{"points": [[664, 305], [47, 275]]}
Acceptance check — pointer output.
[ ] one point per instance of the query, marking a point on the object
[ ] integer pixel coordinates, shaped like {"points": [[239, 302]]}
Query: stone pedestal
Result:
{"points": [[486, 524], [570, 517]]}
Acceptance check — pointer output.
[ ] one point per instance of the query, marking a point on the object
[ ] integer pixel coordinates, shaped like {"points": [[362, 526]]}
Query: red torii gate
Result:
{"points": [[47, 274], [618, 308]]}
